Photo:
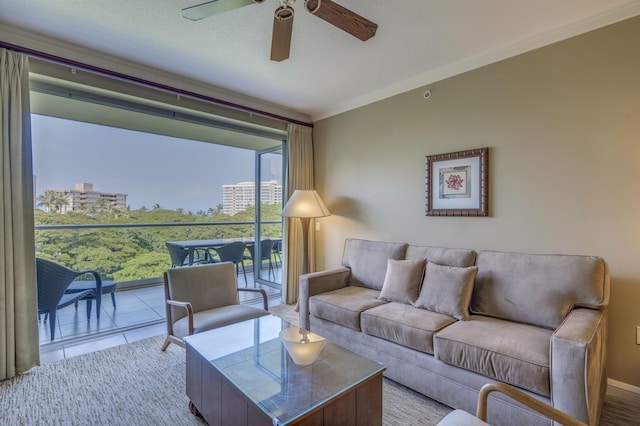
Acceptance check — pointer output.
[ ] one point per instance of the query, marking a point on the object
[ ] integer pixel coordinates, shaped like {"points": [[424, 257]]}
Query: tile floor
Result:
{"points": [[139, 313]]}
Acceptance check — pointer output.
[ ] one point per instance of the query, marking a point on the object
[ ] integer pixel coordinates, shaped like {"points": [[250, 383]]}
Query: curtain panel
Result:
{"points": [[299, 176], [19, 348]]}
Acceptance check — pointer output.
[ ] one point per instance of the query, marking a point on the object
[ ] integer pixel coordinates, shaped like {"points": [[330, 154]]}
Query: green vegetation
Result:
{"points": [[125, 254]]}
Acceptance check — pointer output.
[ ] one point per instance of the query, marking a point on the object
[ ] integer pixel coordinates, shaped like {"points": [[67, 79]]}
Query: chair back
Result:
{"points": [[178, 255], [205, 286], [232, 252], [277, 246], [266, 247], [52, 280]]}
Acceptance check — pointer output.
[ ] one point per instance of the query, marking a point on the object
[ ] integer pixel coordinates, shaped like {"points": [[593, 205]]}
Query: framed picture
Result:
{"points": [[458, 183]]}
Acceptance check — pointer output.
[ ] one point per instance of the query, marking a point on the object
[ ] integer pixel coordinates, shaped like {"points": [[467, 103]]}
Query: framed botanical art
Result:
{"points": [[457, 183]]}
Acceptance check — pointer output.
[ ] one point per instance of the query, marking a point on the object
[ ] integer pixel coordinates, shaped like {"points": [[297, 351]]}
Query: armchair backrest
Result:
{"points": [[204, 286]]}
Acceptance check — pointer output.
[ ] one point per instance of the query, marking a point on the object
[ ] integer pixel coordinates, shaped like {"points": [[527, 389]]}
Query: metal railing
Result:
{"points": [[133, 254]]}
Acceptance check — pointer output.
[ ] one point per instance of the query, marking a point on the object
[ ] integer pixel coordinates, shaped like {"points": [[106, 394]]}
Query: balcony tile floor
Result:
{"points": [[139, 313]]}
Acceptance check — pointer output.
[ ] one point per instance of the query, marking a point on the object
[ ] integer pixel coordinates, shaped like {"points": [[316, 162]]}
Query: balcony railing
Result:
{"points": [[132, 254], [135, 256]]}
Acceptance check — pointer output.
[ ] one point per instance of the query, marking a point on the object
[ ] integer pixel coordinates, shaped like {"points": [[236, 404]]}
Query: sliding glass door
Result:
{"points": [[269, 193]]}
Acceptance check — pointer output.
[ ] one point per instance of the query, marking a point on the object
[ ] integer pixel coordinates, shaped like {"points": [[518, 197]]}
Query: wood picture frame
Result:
{"points": [[457, 183]]}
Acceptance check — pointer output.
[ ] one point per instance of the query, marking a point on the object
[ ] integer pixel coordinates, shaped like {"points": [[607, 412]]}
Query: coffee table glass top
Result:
{"points": [[251, 356]]}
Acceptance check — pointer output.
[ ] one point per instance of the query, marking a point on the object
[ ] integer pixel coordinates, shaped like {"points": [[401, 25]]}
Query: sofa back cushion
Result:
{"points": [[538, 289], [368, 260], [460, 258]]}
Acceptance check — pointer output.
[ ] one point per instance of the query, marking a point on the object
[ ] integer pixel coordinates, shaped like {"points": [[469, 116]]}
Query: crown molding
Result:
{"points": [[589, 24]]}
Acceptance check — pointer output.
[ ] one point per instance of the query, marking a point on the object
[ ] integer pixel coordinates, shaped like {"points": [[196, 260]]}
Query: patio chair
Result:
{"points": [[204, 297], [179, 256], [266, 247], [52, 281], [234, 253], [277, 252]]}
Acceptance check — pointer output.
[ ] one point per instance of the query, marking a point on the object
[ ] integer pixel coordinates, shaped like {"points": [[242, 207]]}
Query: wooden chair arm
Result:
{"points": [[185, 305], [262, 292], [544, 409]]}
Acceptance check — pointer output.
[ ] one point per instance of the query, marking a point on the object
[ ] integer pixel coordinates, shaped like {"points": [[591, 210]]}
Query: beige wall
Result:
{"points": [[563, 127]]}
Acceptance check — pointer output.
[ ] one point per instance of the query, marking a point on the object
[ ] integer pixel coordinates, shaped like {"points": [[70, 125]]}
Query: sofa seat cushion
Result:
{"points": [[405, 325], [511, 352], [216, 317], [344, 306]]}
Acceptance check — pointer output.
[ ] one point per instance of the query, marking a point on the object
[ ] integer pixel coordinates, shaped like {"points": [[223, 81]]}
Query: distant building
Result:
{"points": [[84, 197], [236, 198]]}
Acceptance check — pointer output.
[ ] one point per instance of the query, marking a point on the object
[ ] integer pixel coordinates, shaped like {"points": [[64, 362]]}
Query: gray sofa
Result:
{"points": [[446, 321]]}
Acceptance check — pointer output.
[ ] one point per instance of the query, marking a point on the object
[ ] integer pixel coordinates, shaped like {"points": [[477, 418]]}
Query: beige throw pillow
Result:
{"points": [[447, 290], [402, 280]]}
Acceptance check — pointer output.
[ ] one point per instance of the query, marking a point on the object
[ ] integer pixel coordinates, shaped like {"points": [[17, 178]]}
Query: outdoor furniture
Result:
{"points": [[108, 287], [52, 281], [234, 253], [181, 257], [277, 252], [266, 246], [204, 297]]}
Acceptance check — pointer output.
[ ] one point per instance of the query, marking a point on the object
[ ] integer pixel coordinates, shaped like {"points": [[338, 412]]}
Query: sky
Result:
{"points": [[150, 169]]}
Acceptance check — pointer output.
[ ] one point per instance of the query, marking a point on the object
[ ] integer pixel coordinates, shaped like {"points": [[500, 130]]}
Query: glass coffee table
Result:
{"points": [[242, 374]]}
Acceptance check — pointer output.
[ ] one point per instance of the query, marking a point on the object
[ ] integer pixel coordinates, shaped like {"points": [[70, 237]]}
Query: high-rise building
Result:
{"points": [[84, 197], [237, 197]]}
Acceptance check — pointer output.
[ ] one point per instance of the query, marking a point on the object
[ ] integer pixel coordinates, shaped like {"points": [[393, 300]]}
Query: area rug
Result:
{"points": [[137, 384]]}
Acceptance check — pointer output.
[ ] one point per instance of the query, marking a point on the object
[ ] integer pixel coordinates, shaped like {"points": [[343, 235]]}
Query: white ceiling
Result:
{"points": [[418, 42]]}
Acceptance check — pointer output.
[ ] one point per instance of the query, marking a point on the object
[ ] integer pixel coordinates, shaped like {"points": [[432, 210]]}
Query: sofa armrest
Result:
{"points": [[316, 283], [578, 364]]}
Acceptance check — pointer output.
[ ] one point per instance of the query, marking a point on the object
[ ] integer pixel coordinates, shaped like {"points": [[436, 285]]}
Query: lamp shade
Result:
{"points": [[305, 203], [303, 346]]}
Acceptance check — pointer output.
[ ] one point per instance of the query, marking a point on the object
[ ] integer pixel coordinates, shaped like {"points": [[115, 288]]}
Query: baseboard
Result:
{"points": [[623, 390]]}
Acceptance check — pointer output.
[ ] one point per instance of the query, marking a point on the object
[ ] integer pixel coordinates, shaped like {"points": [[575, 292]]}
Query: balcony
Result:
{"points": [[135, 256]]}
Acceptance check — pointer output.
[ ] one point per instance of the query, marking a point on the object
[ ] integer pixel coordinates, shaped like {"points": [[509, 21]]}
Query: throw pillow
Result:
{"points": [[447, 290], [402, 280]]}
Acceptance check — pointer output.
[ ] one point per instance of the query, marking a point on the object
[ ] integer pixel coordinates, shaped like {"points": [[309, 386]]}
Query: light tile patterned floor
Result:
{"points": [[139, 313]]}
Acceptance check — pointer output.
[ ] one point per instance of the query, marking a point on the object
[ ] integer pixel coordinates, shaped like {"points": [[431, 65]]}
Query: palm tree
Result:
{"points": [[47, 200], [156, 206], [52, 200], [106, 206]]}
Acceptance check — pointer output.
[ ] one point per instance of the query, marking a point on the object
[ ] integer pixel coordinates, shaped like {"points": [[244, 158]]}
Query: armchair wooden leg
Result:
{"points": [[166, 344]]}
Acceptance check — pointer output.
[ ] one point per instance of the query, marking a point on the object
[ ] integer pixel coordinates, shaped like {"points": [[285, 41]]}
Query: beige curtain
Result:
{"points": [[299, 176], [19, 349]]}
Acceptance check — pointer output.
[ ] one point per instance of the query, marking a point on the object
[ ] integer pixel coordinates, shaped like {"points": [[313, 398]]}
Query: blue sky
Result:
{"points": [[149, 168]]}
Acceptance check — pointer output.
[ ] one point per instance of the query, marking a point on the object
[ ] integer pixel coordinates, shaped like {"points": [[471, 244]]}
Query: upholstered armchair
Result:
{"points": [[203, 297], [462, 418]]}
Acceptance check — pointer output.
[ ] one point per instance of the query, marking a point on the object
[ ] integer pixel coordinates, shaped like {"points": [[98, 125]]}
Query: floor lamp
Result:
{"points": [[305, 204]]}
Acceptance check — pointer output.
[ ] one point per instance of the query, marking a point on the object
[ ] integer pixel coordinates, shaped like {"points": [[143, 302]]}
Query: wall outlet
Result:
{"points": [[637, 334], [318, 229]]}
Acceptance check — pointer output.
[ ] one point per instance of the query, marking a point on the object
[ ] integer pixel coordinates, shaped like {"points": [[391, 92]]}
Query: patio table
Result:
{"points": [[192, 245]]}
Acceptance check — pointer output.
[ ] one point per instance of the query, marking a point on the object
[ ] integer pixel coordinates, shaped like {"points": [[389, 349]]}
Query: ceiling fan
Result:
{"points": [[327, 10]]}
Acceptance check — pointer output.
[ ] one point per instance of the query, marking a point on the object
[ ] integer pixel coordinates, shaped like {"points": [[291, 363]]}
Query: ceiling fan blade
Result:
{"points": [[204, 10], [281, 38], [342, 18]]}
